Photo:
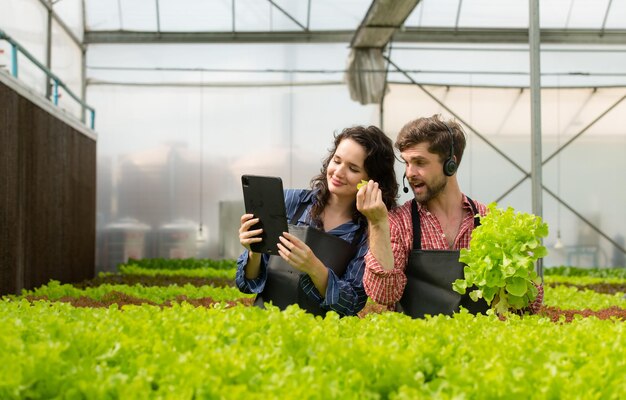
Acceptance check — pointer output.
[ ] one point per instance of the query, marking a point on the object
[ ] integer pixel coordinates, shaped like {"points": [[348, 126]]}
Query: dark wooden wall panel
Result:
{"points": [[50, 200], [11, 262]]}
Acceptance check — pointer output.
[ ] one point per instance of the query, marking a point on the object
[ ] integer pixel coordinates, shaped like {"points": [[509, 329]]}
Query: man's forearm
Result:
{"points": [[380, 244]]}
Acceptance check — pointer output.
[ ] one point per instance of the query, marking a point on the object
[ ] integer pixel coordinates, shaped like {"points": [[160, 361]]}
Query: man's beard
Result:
{"points": [[432, 191]]}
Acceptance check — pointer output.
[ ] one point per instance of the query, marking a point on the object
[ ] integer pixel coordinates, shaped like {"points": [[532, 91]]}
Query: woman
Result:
{"points": [[359, 154]]}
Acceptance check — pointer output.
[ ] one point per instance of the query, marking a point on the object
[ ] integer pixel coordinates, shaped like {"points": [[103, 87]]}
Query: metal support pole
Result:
{"points": [[83, 84], [14, 60], [534, 39], [49, 48], [56, 93], [83, 68]]}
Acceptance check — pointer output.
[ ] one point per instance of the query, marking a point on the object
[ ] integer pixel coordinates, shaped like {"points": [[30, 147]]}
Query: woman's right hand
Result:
{"points": [[247, 236]]}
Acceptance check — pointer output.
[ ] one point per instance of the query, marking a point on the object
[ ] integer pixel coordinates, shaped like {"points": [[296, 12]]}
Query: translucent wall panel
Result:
{"points": [[508, 65], [494, 13], [25, 21], [218, 64], [260, 15], [617, 15], [578, 174], [103, 15], [174, 155], [176, 15], [67, 65], [440, 13], [330, 14], [556, 14], [217, 15], [71, 12], [254, 15], [136, 15], [587, 14]]}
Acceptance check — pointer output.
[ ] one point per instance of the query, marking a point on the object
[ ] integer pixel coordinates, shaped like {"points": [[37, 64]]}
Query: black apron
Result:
{"points": [[430, 274], [283, 286]]}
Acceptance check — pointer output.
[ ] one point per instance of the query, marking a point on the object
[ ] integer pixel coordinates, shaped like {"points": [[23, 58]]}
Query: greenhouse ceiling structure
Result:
{"points": [[187, 95]]}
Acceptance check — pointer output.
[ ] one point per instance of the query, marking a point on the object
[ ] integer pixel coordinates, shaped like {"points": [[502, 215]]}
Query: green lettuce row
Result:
{"points": [[186, 263], [595, 272], [570, 298], [157, 294], [205, 272], [582, 280], [560, 296], [53, 350]]}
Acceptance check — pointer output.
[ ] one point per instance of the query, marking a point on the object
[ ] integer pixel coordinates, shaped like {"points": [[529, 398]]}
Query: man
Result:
{"points": [[414, 249]]}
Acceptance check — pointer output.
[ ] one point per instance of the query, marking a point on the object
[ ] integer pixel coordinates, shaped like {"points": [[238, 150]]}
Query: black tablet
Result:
{"points": [[263, 196]]}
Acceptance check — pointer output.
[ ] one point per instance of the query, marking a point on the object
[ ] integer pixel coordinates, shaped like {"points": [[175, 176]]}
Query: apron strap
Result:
{"points": [[305, 199], [475, 211], [299, 212], [417, 228]]}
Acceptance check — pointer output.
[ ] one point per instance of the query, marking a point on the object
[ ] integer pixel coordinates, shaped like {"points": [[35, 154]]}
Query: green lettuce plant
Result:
{"points": [[500, 262]]}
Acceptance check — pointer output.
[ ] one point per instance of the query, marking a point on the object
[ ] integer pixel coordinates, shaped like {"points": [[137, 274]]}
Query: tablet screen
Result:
{"points": [[264, 197]]}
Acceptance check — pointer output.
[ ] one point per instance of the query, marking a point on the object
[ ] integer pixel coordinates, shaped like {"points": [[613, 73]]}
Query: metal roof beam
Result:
{"points": [[407, 35], [503, 35], [128, 37]]}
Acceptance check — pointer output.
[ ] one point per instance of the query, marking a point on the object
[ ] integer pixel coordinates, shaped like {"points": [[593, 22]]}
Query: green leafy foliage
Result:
{"points": [[53, 350], [581, 279], [501, 257], [50, 349], [593, 272], [204, 272], [157, 294], [185, 263], [572, 298]]}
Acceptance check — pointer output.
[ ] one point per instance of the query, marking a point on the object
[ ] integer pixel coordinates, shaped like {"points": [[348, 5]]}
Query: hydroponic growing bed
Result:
{"points": [[181, 330]]}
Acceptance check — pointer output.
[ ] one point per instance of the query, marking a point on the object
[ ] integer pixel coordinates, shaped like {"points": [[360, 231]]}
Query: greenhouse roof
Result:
{"points": [[449, 42], [328, 15]]}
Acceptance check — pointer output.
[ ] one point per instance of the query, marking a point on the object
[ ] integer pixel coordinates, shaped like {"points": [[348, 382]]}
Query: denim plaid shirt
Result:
{"points": [[344, 295]]}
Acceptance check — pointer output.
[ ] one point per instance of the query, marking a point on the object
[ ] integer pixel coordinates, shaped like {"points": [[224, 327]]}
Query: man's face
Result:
{"points": [[424, 171]]}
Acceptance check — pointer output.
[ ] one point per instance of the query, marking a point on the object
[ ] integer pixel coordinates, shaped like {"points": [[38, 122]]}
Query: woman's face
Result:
{"points": [[346, 168]]}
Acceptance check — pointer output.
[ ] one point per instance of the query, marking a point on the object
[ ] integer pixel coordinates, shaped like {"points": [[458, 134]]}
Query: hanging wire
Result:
{"points": [[119, 11], [558, 244], [471, 142], [201, 184]]}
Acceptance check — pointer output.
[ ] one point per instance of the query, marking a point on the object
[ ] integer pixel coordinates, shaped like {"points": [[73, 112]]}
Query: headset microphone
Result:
{"points": [[404, 188]]}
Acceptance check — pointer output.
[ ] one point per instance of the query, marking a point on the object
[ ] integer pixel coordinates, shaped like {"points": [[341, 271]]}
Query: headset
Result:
{"points": [[450, 166]]}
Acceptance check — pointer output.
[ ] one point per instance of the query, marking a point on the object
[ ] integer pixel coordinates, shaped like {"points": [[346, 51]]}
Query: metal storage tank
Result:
{"points": [[177, 240], [124, 239]]}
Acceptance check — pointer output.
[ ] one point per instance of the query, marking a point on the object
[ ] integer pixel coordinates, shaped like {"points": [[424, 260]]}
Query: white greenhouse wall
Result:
{"points": [[168, 154]]}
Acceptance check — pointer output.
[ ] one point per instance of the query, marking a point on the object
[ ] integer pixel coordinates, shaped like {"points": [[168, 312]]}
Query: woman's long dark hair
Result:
{"points": [[379, 165]]}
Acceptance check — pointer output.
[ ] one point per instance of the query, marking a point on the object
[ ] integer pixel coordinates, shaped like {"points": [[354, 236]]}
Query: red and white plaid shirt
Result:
{"points": [[386, 287]]}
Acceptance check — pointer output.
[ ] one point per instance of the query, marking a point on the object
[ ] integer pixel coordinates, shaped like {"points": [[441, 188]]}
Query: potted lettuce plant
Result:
{"points": [[500, 262]]}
